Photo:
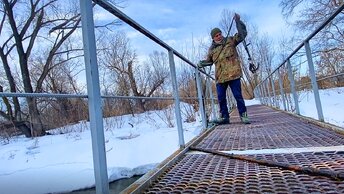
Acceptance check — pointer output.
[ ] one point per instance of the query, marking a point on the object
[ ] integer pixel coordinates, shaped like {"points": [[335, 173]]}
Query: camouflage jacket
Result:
{"points": [[225, 56]]}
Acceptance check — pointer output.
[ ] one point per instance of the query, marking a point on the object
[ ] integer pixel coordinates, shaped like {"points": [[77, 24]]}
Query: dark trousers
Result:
{"points": [[235, 86]]}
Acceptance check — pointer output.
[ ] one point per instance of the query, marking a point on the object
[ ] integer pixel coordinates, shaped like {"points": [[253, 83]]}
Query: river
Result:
{"points": [[114, 187]]}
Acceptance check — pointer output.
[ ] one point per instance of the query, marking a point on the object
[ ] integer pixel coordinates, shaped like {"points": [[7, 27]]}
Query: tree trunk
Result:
{"points": [[35, 118]]}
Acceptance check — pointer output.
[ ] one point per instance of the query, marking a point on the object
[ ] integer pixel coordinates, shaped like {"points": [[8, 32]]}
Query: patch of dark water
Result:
{"points": [[114, 187]]}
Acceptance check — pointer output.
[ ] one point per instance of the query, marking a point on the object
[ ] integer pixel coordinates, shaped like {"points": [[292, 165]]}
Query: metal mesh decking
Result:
{"points": [[272, 136]]}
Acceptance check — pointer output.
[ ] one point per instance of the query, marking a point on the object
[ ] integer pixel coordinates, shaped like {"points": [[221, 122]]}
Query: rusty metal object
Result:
{"points": [[207, 173], [308, 170]]}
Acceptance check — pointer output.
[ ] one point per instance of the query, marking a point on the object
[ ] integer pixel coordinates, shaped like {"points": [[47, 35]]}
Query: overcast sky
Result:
{"points": [[178, 21]]}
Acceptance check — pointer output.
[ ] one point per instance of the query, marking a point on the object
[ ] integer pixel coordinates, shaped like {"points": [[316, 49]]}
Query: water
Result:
{"points": [[114, 187]]}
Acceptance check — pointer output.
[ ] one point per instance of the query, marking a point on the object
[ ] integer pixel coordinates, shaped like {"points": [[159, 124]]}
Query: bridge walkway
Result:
{"points": [[276, 153]]}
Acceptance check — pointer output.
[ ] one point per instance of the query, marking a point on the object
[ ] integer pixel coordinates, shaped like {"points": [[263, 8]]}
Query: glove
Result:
{"points": [[253, 68], [236, 17], [204, 63]]}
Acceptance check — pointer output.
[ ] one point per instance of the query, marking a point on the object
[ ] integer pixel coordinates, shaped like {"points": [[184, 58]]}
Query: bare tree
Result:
{"points": [[194, 51], [62, 111], [115, 61], [310, 14], [27, 28], [131, 78], [331, 63], [187, 85], [329, 42], [31, 30], [149, 79]]}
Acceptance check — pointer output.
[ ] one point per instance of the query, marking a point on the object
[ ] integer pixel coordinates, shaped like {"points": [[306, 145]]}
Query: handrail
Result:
{"points": [[262, 89], [54, 95], [327, 21]]}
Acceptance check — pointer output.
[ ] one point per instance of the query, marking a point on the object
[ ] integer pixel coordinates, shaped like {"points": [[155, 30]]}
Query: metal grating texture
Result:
{"points": [[269, 129], [198, 172], [207, 173]]}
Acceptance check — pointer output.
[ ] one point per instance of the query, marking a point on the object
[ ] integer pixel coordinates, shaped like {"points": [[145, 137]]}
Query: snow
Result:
{"points": [[63, 162], [332, 101]]}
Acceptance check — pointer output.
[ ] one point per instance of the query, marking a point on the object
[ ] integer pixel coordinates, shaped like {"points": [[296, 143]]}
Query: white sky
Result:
{"points": [[63, 162]]}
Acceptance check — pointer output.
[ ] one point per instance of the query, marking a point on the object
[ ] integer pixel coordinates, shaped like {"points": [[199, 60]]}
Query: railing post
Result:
{"points": [[255, 93], [281, 89], [263, 93], [274, 100], [211, 95], [266, 93], [176, 99], [94, 98], [292, 86], [200, 99], [258, 93], [314, 81], [268, 90]]}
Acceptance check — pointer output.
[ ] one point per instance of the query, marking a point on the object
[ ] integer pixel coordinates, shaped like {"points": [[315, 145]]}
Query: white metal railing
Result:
{"points": [[268, 94]]}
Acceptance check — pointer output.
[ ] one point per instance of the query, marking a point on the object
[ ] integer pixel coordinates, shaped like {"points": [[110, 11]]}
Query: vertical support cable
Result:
{"points": [[94, 98], [268, 90], [266, 93], [281, 89], [200, 99], [261, 95], [176, 99], [292, 86], [213, 111], [263, 92], [274, 98], [267, 99], [257, 94], [314, 81]]}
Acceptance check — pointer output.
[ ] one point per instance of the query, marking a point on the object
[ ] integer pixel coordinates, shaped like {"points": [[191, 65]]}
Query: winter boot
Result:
{"points": [[244, 118], [221, 121]]}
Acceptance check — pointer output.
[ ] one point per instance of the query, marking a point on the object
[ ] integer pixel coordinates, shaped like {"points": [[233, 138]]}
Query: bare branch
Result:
{"points": [[56, 46]]}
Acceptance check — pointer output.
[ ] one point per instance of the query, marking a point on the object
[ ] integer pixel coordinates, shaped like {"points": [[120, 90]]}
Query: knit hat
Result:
{"points": [[214, 32]]}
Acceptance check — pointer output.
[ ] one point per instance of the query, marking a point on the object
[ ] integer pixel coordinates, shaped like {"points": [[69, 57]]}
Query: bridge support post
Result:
{"points": [[200, 99], [314, 81], [176, 99], [94, 98], [281, 89], [293, 88]]}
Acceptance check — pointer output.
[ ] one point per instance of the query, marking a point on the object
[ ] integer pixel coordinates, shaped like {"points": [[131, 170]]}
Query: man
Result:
{"points": [[228, 71]]}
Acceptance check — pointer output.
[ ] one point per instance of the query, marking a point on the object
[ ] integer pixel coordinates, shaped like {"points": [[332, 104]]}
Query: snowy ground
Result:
{"points": [[134, 145]]}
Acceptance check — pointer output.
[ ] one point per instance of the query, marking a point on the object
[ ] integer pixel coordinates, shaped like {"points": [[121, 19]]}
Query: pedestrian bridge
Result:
{"points": [[277, 153]]}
